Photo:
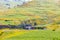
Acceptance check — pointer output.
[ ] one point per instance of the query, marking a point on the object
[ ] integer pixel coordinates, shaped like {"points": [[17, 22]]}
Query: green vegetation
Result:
{"points": [[38, 35], [44, 12]]}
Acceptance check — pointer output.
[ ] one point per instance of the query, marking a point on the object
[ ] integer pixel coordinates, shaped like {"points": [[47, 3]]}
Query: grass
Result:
{"points": [[11, 33], [37, 35], [43, 9], [36, 7]]}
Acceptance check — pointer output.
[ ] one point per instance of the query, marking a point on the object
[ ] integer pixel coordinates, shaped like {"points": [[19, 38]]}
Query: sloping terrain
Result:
{"points": [[44, 12], [37, 35]]}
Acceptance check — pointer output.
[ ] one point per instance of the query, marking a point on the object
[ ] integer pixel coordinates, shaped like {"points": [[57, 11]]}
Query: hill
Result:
{"points": [[43, 12]]}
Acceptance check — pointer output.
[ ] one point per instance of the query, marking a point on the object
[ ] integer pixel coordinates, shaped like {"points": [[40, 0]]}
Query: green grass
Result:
{"points": [[38, 35], [36, 8]]}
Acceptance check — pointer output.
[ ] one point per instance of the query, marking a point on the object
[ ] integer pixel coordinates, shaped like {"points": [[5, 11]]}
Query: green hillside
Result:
{"points": [[45, 12], [37, 35]]}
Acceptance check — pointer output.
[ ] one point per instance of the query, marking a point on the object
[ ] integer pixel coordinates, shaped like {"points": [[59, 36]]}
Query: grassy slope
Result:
{"points": [[38, 35], [34, 8], [11, 33]]}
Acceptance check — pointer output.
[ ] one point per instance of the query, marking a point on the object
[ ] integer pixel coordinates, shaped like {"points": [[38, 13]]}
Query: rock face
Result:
{"points": [[12, 3]]}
